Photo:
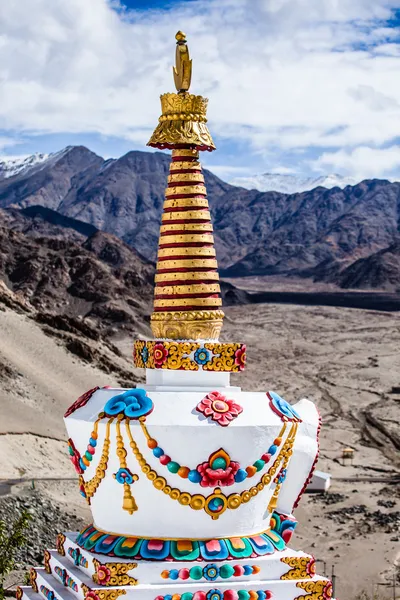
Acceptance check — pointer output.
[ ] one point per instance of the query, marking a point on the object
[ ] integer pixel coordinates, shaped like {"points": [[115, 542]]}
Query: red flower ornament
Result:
{"points": [[219, 408], [220, 470], [160, 354], [240, 357], [91, 595], [103, 574]]}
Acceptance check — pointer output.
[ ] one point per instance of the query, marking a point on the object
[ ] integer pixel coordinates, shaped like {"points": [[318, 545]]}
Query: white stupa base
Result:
{"points": [[68, 575]]}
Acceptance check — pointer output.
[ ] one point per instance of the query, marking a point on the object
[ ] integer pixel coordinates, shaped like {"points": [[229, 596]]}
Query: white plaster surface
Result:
{"points": [[189, 439]]}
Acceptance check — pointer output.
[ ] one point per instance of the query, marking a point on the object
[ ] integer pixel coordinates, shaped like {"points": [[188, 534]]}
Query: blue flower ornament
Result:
{"points": [[133, 404]]}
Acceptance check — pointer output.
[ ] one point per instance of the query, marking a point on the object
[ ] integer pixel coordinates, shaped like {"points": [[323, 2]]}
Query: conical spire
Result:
{"points": [[187, 301]]}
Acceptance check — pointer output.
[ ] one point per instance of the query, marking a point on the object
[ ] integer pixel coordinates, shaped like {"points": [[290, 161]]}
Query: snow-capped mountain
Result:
{"points": [[13, 165], [290, 184]]}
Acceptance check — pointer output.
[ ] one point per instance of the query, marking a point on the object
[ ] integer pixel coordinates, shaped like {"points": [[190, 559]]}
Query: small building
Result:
{"points": [[320, 482]]}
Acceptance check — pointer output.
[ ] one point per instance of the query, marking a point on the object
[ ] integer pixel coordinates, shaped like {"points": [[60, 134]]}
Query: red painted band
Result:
{"points": [[184, 232], [183, 183], [175, 296], [184, 257], [184, 221], [177, 196], [184, 208], [204, 281], [186, 270]]}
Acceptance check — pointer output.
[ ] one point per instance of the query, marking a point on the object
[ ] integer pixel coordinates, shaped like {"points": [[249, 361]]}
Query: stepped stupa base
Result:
{"points": [[74, 572]]}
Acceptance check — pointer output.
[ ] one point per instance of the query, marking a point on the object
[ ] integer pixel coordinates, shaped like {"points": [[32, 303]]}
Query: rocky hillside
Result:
{"points": [[379, 270], [100, 278], [256, 233]]}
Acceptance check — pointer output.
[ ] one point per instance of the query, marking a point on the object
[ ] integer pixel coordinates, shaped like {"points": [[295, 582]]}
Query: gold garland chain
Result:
{"points": [[290, 441], [149, 438], [200, 502], [129, 502], [92, 485]]}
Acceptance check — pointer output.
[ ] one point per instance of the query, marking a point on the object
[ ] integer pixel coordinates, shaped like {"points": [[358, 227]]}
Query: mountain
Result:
{"points": [[100, 279], [291, 184], [379, 270], [13, 165], [256, 233]]}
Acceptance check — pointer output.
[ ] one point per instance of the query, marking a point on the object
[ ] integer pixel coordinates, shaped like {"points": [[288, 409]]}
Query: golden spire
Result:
{"points": [[187, 301], [183, 70], [183, 120]]}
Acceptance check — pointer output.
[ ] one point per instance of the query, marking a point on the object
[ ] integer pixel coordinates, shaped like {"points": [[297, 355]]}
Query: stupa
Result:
{"points": [[191, 481]]}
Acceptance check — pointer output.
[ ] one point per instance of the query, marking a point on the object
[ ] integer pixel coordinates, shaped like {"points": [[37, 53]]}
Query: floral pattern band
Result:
{"points": [[189, 356]]}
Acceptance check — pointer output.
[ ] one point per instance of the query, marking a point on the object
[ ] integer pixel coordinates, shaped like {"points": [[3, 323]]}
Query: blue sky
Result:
{"points": [[294, 86]]}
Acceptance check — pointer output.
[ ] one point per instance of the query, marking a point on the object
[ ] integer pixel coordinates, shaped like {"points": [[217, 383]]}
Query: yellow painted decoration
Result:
{"points": [[113, 573], [302, 567], [91, 486], [182, 355], [102, 594], [315, 590]]}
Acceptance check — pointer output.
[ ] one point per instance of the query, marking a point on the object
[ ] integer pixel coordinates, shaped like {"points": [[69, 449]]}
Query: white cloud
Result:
{"points": [[280, 74], [364, 162]]}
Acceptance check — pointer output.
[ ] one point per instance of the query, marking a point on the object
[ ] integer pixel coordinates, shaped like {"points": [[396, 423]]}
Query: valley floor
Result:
{"points": [[347, 361]]}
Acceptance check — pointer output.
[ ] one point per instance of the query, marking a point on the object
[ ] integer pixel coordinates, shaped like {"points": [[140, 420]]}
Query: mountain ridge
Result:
{"points": [[255, 232], [288, 183]]}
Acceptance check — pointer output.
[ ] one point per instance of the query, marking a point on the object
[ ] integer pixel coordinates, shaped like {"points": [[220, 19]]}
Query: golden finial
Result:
{"points": [[183, 65]]}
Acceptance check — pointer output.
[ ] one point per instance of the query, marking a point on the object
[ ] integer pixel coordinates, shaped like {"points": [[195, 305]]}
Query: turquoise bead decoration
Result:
{"points": [[196, 573], [88, 456], [226, 571], [243, 595], [187, 596], [173, 467], [259, 464], [219, 463], [240, 476], [194, 476]]}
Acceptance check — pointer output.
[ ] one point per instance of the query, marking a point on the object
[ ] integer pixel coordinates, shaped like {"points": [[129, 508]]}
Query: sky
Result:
{"points": [[295, 86]]}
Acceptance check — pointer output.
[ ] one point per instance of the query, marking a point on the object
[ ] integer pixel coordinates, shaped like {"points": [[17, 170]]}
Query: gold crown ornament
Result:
{"points": [[183, 119]]}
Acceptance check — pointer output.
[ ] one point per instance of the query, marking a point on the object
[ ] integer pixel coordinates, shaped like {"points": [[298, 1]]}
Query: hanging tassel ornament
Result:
{"points": [[124, 475]]}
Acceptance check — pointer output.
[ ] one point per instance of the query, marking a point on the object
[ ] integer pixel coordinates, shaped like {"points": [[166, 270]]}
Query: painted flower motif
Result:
{"points": [[160, 354], [91, 595], [240, 357], [311, 567], [133, 404], [82, 401], [124, 476], [211, 572], [103, 574], [74, 456], [219, 408], [145, 354], [282, 408], [327, 591], [201, 356], [215, 595], [220, 470]]}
